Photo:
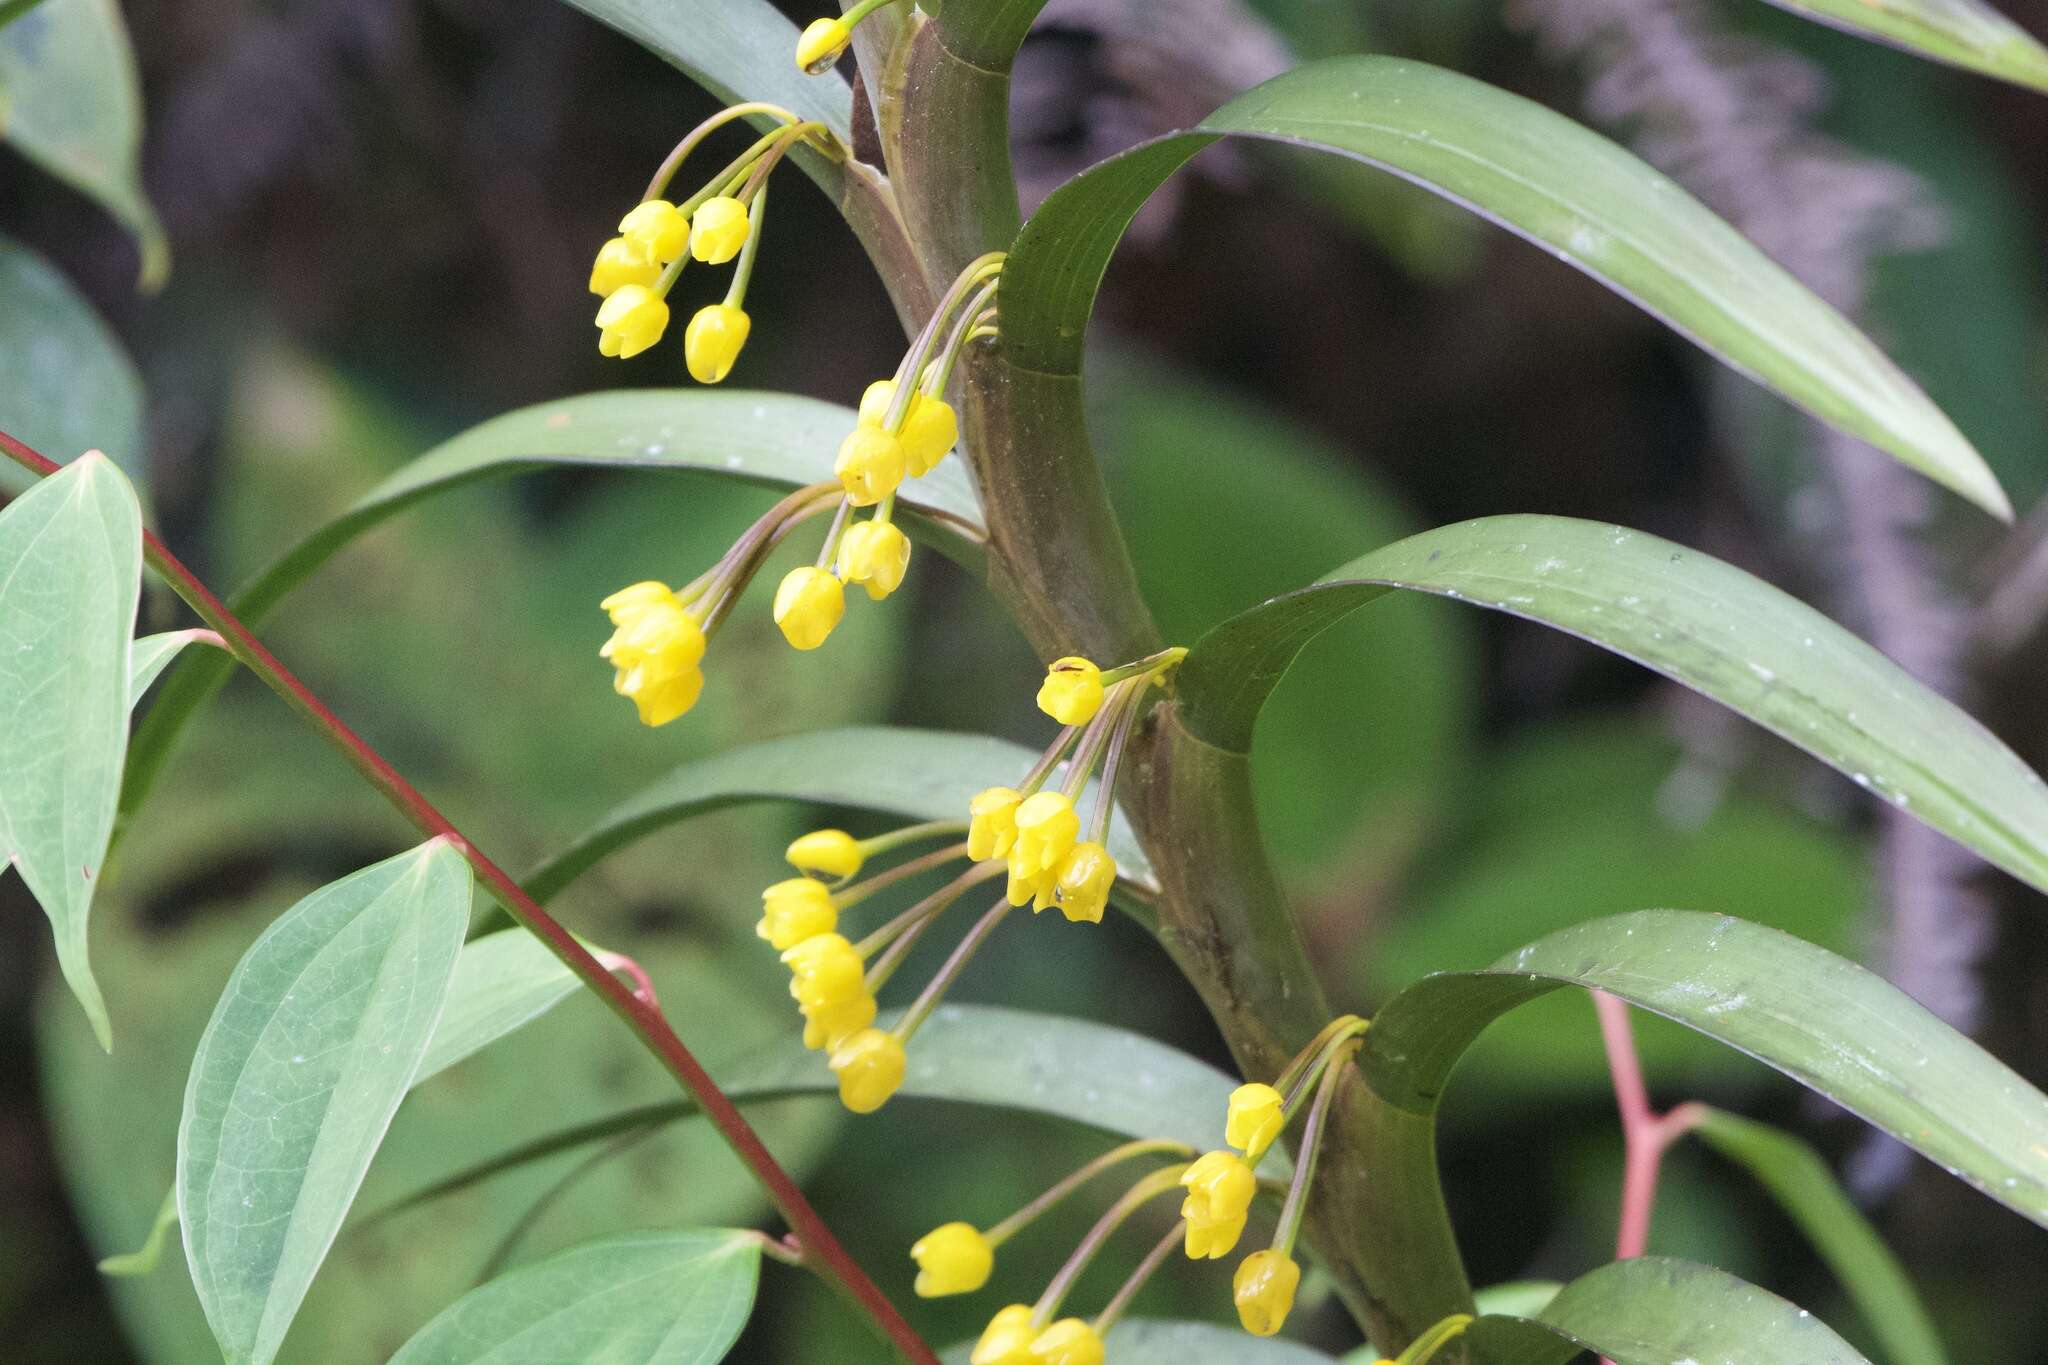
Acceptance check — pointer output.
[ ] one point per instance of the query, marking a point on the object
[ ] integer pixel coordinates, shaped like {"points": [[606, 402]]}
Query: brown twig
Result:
{"points": [[821, 1250]]}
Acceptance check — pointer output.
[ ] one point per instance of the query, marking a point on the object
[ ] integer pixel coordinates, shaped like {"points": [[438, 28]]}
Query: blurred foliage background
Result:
{"points": [[381, 214]]}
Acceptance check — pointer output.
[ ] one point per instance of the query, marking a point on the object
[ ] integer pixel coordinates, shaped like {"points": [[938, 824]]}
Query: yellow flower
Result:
{"points": [[794, 910], [712, 341], [1036, 887], [1264, 1290], [631, 318], [719, 230], [659, 228], [620, 262], [992, 822], [874, 554], [1256, 1116], [820, 44], [1007, 1338], [1220, 1188], [830, 852], [953, 1258], [870, 1067], [656, 650], [1072, 691], [808, 605], [827, 1026], [929, 429], [870, 465], [1046, 829], [1069, 1341], [1085, 877], [825, 970]]}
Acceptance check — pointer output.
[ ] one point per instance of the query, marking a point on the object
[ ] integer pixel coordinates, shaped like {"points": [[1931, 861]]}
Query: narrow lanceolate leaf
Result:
{"points": [[502, 982], [151, 654], [1656, 1311], [918, 774], [651, 1298], [315, 1040], [1822, 1020], [736, 49], [986, 33], [54, 347], [73, 106], [1796, 1177], [1961, 33], [1541, 176], [1690, 617], [70, 576], [774, 439]]}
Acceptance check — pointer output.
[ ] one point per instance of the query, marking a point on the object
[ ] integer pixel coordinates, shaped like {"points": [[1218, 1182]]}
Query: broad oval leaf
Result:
{"points": [[1821, 1019], [920, 774], [314, 1042], [1799, 1180], [1689, 616], [1163, 1341], [1540, 175], [1960, 33], [54, 347], [502, 982], [70, 579], [652, 1298], [765, 438], [1653, 1310], [73, 106]]}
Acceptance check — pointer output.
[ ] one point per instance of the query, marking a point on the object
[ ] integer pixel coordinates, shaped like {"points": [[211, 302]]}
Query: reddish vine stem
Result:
{"points": [[1645, 1133], [821, 1251]]}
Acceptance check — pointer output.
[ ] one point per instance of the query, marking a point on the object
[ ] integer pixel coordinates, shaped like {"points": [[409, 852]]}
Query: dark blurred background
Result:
{"points": [[381, 215]]}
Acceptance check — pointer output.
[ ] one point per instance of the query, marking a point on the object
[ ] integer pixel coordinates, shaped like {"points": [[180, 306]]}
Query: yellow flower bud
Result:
{"points": [[874, 402], [659, 228], [1264, 1290], [719, 230], [992, 822], [820, 44], [1034, 887], [826, 852], [870, 465], [1220, 1187], [1085, 877], [1007, 1338], [870, 1067], [656, 649], [876, 555], [827, 1026], [929, 431], [712, 341], [631, 319], [1046, 830], [825, 970], [794, 910], [1069, 1341], [620, 262], [808, 605], [953, 1258], [1256, 1115], [1072, 691]]}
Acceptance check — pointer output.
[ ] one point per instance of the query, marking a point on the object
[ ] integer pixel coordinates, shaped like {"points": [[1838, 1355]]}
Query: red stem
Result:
{"points": [[1645, 1133], [822, 1252]]}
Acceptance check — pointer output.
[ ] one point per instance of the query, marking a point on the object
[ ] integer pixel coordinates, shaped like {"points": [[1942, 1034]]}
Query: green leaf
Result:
{"points": [[1690, 617], [144, 1258], [1800, 1181], [53, 349], [1541, 176], [70, 578], [920, 774], [1821, 1019], [73, 106], [736, 49], [502, 981], [151, 654], [984, 33], [652, 1298], [1160, 1341], [1956, 32], [1656, 1311], [313, 1044], [764, 438]]}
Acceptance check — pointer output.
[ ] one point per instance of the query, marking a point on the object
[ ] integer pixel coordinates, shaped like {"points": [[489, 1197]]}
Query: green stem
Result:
{"points": [[942, 981], [1115, 1156], [1151, 1187]]}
